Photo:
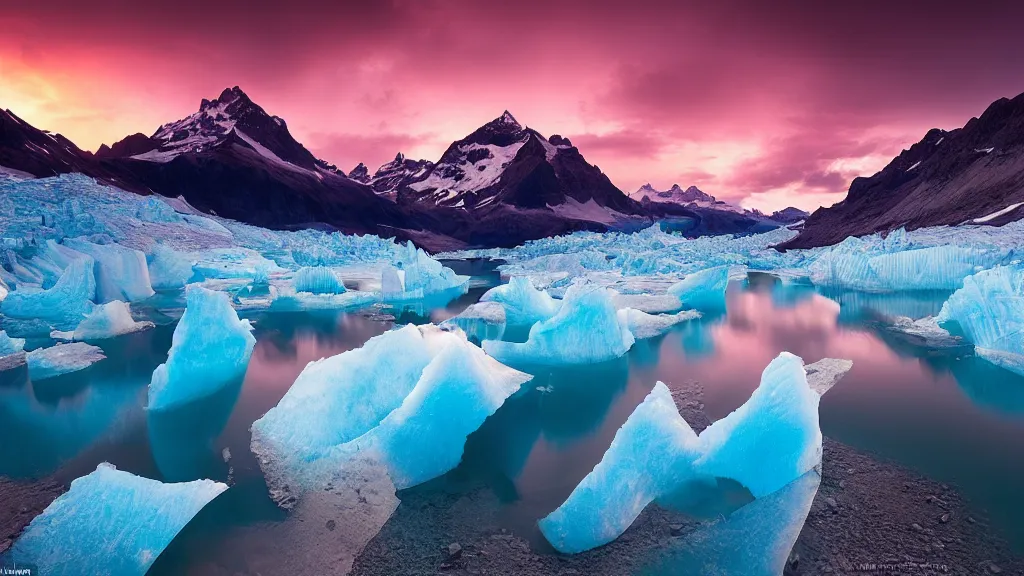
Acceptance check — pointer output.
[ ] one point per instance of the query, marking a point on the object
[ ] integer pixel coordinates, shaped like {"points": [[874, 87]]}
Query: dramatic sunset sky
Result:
{"points": [[773, 103]]}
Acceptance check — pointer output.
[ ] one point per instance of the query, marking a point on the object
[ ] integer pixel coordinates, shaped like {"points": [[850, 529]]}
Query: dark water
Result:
{"points": [[951, 417]]}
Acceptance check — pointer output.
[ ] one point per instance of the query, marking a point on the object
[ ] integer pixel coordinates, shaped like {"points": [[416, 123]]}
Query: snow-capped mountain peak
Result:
{"points": [[508, 119]]}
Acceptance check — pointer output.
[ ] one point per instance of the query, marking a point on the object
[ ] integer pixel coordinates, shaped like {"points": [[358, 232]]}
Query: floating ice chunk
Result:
{"points": [[412, 442], [649, 303], [524, 305], [112, 522], [989, 309], [286, 298], [363, 385], [768, 442], [771, 439], [233, 263], [924, 331], [826, 373], [377, 405], [704, 290], [480, 321], [644, 325], [61, 359], [651, 454], [169, 269], [586, 330], [209, 349], [755, 540], [65, 304], [318, 280], [121, 273], [107, 321], [418, 275], [10, 345]]}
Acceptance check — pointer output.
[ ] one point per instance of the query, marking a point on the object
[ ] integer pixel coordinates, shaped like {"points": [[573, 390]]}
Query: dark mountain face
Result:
{"points": [[389, 176], [789, 215], [947, 178], [29, 150]]}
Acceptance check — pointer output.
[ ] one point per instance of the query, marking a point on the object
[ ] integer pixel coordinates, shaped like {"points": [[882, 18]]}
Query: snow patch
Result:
{"points": [[997, 214]]}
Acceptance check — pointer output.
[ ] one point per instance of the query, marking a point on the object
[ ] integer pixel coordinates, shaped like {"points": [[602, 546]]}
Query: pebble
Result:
{"points": [[331, 524], [995, 569], [675, 529], [831, 503], [454, 550], [842, 483], [916, 527], [944, 518]]}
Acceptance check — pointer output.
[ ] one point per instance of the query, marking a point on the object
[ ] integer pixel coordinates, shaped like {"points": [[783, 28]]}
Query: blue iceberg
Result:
{"points": [[210, 349], [586, 330], [853, 266], [765, 444], [317, 280], [121, 273], [416, 275], [376, 406], [61, 359], [10, 345], [643, 325], [651, 455], [168, 268], [64, 305], [110, 522], [989, 310], [524, 305], [480, 321], [108, 321], [704, 290]]}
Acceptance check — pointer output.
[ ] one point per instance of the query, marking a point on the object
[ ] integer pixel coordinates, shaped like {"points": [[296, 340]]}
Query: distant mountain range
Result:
{"points": [[970, 174], [499, 186]]}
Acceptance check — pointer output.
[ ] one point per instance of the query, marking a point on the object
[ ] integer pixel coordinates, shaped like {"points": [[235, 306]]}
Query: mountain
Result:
{"points": [[505, 164], [789, 215], [974, 173], [677, 195], [28, 150], [388, 177]]}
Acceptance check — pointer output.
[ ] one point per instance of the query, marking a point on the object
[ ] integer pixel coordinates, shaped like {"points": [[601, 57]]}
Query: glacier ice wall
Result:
{"points": [[317, 280], [704, 290], [989, 310], [64, 305]]}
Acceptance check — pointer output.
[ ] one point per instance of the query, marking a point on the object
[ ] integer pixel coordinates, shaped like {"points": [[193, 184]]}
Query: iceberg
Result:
{"points": [[754, 540], [586, 330], [168, 268], [389, 392], [924, 331], [649, 303], [644, 325], [64, 305], [704, 290], [417, 275], [112, 522], [480, 321], [318, 280], [10, 345], [286, 299], [210, 348], [930, 268], [61, 359], [989, 310], [108, 321], [121, 273], [765, 444], [524, 304], [651, 454]]}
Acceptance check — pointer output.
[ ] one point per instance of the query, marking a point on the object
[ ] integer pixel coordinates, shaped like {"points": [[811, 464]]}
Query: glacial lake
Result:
{"points": [[949, 416]]}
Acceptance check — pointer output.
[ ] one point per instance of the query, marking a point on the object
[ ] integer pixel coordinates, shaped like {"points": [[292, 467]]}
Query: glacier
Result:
{"points": [[110, 521], [587, 329], [63, 305], [10, 345], [168, 268], [121, 273], [388, 390], [106, 321], [704, 290], [317, 280], [61, 359], [765, 444], [415, 275], [210, 348], [524, 304], [643, 325], [989, 310]]}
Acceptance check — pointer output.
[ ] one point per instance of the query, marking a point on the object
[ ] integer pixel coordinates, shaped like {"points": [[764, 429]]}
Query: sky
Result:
{"points": [[769, 104]]}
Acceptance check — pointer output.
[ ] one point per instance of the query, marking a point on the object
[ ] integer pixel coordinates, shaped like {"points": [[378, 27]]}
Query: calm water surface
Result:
{"points": [[951, 417]]}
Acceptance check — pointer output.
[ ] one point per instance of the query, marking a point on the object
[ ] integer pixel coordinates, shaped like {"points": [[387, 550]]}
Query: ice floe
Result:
{"points": [[61, 359]]}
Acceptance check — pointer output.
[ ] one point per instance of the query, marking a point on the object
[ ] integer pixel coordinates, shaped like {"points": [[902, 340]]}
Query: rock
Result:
{"points": [[454, 551], [675, 529], [992, 568], [794, 561], [916, 527], [971, 519], [331, 524], [832, 503], [906, 486], [944, 518], [842, 483]]}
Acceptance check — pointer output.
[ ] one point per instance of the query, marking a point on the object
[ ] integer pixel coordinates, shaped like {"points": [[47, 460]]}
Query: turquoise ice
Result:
{"points": [[587, 329], [110, 522], [64, 305], [765, 444], [989, 310], [480, 321], [108, 321], [10, 345], [210, 348], [168, 268], [317, 280], [121, 273], [704, 290], [524, 304], [643, 325]]}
